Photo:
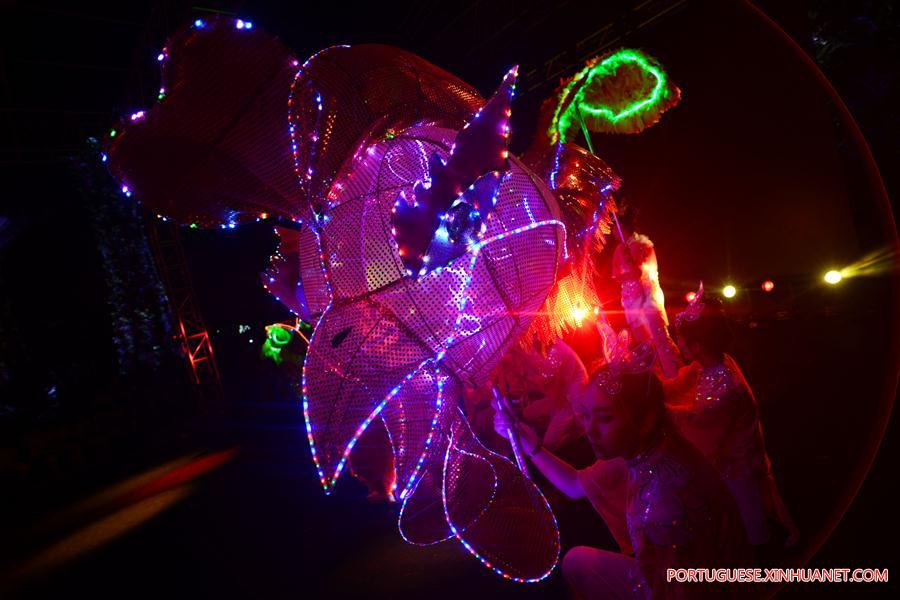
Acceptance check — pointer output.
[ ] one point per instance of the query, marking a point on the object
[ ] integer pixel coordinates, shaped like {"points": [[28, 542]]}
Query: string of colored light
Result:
{"points": [[469, 547], [484, 509], [496, 484], [437, 411], [304, 390], [141, 115], [504, 131], [292, 127]]}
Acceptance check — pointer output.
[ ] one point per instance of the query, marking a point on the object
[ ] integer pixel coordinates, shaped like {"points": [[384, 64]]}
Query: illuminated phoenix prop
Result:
{"points": [[416, 244]]}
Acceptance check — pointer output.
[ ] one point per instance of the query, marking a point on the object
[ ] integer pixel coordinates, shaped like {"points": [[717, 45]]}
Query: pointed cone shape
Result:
{"points": [[480, 147]]}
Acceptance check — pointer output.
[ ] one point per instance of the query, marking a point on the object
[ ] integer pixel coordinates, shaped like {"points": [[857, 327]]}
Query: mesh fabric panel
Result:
{"points": [[295, 275], [409, 417], [383, 324], [365, 92], [312, 275], [495, 511], [512, 530]]}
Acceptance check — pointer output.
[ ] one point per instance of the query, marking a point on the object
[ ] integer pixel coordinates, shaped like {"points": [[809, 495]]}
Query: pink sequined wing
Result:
{"points": [[215, 149], [345, 97], [295, 276], [410, 417], [358, 358]]}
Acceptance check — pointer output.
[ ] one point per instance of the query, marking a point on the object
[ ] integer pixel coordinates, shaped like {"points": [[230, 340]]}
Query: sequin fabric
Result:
{"points": [[666, 507], [679, 514], [716, 384], [693, 310], [722, 421]]}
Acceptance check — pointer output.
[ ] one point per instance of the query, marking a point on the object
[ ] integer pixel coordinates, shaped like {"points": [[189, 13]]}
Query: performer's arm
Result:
{"points": [[644, 305], [669, 356], [560, 473]]}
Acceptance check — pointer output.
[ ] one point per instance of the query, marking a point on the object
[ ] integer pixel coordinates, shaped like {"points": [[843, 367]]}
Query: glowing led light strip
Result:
{"points": [[393, 453], [403, 511], [400, 525], [562, 119], [478, 516], [469, 547], [476, 249], [557, 154], [437, 411], [291, 125], [365, 424], [304, 392], [328, 484], [414, 480], [490, 501]]}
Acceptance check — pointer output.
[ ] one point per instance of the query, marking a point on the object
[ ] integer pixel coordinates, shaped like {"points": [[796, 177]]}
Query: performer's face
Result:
{"points": [[610, 429]]}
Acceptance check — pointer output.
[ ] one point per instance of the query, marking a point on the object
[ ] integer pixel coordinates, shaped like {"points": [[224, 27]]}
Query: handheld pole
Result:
{"points": [[503, 405], [587, 138]]}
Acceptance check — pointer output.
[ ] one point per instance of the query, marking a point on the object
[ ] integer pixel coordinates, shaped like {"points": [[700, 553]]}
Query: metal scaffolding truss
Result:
{"points": [[194, 337]]}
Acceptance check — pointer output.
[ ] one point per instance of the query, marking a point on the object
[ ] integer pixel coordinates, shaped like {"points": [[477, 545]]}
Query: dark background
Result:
{"points": [[756, 174]]}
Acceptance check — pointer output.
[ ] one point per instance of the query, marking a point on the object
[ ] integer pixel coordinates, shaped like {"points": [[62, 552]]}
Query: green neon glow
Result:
{"points": [[563, 120], [112, 133], [279, 336], [270, 351], [276, 339]]}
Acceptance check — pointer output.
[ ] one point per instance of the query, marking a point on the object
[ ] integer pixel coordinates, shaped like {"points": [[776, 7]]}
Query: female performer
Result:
{"points": [[678, 514]]}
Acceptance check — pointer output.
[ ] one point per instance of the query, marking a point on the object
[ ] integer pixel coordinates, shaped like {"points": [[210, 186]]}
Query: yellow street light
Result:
{"points": [[833, 277]]}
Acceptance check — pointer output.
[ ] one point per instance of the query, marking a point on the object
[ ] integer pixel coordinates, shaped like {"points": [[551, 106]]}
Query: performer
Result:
{"points": [[677, 511], [712, 405], [542, 382], [636, 269]]}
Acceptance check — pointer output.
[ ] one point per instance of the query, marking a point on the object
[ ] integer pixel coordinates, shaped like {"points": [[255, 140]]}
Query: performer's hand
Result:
{"points": [[504, 423], [623, 263]]}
